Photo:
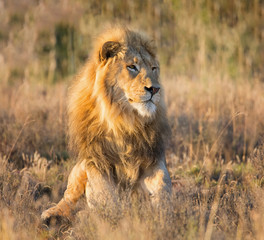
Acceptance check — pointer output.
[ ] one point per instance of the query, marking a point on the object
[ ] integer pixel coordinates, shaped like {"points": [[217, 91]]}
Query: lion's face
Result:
{"points": [[134, 79], [139, 81]]}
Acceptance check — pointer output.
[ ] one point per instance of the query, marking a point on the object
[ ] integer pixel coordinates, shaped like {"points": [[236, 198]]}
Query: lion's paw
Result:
{"points": [[50, 212], [54, 216]]}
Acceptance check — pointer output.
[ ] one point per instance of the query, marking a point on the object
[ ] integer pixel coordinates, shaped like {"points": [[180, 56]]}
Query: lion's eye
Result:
{"points": [[132, 68], [154, 69]]}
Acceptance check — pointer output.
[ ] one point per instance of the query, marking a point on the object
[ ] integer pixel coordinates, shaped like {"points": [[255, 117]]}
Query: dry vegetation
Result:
{"points": [[212, 68]]}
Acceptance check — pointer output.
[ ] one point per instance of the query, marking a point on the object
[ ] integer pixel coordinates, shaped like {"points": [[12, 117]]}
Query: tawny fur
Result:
{"points": [[110, 135], [117, 133]]}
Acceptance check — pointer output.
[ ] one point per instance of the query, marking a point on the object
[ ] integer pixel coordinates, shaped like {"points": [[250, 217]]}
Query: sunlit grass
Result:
{"points": [[214, 158]]}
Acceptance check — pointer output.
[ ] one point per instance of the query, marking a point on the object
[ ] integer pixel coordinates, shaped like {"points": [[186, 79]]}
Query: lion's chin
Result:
{"points": [[145, 109]]}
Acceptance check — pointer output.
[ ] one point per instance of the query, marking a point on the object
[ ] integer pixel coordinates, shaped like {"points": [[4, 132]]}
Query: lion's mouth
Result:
{"points": [[135, 101]]}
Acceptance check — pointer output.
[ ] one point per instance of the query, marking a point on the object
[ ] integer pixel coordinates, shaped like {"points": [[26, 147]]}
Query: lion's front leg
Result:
{"points": [[101, 191], [75, 188], [156, 182]]}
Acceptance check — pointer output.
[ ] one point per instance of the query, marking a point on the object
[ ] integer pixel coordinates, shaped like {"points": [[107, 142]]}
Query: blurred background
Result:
{"points": [[47, 41]]}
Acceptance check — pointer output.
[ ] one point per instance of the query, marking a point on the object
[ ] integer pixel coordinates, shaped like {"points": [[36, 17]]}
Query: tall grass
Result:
{"points": [[215, 159]]}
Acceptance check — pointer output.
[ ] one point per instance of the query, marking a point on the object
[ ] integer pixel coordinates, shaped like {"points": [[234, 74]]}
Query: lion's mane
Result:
{"points": [[111, 137]]}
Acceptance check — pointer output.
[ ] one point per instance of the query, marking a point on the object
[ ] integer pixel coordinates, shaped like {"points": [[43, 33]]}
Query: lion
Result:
{"points": [[117, 124]]}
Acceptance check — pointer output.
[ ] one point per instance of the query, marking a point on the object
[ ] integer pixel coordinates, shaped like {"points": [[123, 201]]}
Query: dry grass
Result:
{"points": [[215, 159], [32, 118]]}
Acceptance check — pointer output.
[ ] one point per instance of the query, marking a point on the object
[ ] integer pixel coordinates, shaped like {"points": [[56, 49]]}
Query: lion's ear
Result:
{"points": [[109, 50]]}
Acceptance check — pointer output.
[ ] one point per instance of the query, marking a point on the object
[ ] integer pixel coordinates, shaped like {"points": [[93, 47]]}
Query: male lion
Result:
{"points": [[117, 124]]}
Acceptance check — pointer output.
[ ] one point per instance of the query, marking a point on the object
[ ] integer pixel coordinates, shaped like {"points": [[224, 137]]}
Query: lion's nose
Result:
{"points": [[152, 90]]}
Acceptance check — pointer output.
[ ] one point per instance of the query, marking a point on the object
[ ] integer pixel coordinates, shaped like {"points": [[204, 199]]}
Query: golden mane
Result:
{"points": [[110, 136]]}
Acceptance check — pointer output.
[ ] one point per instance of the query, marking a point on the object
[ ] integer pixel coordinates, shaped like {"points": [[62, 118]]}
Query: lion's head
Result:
{"points": [[116, 103], [132, 62]]}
